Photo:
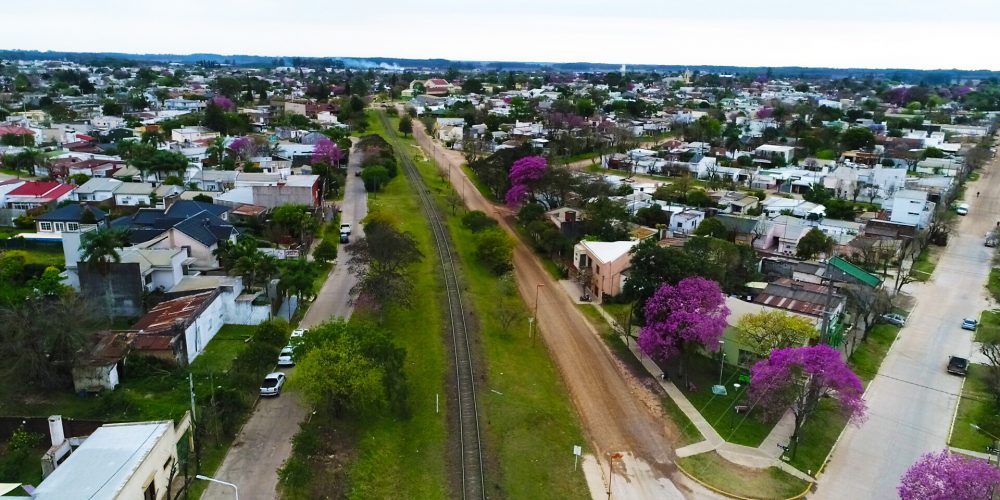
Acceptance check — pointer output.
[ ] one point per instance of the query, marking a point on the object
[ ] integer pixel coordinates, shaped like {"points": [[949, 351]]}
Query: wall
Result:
{"points": [[120, 290], [276, 196], [131, 200], [152, 468], [204, 328], [202, 254]]}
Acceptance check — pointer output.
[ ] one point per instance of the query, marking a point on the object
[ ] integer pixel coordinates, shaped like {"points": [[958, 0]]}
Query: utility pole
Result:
{"points": [[825, 332]]}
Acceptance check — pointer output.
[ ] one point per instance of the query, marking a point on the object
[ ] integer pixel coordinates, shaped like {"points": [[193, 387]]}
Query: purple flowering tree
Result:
{"points": [[679, 317], [796, 378], [525, 173], [765, 112], [242, 148], [223, 102], [948, 476], [325, 151]]}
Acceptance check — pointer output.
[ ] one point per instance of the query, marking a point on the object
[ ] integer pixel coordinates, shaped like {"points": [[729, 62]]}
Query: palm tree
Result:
{"points": [[99, 248], [217, 150]]}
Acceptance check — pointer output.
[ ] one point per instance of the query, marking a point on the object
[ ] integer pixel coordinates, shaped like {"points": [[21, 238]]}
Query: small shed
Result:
{"points": [[98, 371]]}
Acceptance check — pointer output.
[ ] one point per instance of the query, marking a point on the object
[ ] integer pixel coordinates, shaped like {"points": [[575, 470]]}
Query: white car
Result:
{"points": [[272, 384], [299, 332], [285, 358]]}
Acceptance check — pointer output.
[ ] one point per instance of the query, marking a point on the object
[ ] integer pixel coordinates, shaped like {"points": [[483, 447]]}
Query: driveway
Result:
{"points": [[265, 441], [912, 400]]}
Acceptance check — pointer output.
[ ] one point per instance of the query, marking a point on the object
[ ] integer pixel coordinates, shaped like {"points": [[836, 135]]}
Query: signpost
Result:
{"points": [[577, 451]]}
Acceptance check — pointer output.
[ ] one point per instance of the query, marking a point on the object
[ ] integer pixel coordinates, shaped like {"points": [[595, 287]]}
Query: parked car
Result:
{"points": [[299, 332], [345, 233], [285, 357], [272, 384], [963, 209], [958, 366], [894, 319], [969, 324]]}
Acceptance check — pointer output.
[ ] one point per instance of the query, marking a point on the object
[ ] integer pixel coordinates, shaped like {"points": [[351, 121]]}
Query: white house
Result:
{"points": [[192, 134], [106, 123], [97, 189], [909, 206], [771, 151], [132, 194]]}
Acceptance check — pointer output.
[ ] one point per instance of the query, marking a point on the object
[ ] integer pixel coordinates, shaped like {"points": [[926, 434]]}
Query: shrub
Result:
{"points": [[477, 221], [326, 251], [494, 249]]}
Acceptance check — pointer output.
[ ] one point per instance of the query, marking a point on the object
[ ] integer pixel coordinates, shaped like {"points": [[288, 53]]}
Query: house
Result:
{"points": [[909, 206], [117, 461], [71, 218], [181, 104], [178, 329], [106, 123], [450, 130], [567, 220], [34, 194], [193, 225], [215, 180], [735, 352], [437, 87], [809, 299], [293, 190], [607, 262], [772, 152], [97, 189], [686, 221], [122, 286], [192, 134], [130, 194]]}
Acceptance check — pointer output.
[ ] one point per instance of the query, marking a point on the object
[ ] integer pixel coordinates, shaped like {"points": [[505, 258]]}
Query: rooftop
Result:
{"points": [[105, 461], [608, 251], [166, 314]]}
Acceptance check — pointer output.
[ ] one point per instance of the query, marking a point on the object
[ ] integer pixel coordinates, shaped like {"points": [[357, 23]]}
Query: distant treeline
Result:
{"points": [[938, 76]]}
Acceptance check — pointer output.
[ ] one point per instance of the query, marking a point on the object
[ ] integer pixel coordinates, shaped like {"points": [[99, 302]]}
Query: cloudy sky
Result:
{"points": [[845, 33]]}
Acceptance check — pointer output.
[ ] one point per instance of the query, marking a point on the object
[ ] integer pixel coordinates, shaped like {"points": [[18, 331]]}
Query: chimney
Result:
{"points": [[570, 216], [56, 430]]}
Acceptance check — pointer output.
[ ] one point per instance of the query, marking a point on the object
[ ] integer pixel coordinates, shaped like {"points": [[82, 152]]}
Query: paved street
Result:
{"points": [[912, 401], [264, 442]]}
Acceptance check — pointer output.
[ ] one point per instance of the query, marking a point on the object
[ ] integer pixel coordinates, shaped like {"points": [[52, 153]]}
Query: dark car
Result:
{"points": [[958, 366]]}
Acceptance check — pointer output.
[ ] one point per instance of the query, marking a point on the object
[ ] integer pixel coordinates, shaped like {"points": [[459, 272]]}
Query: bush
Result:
{"points": [[477, 221], [495, 250], [326, 251], [24, 222], [375, 178]]}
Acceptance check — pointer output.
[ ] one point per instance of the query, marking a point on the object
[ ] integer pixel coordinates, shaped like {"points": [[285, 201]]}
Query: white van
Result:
{"points": [[962, 209]]}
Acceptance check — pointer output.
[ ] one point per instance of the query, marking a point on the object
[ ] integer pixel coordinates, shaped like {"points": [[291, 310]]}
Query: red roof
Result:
{"points": [[174, 312], [15, 130], [52, 190], [84, 137], [438, 82]]}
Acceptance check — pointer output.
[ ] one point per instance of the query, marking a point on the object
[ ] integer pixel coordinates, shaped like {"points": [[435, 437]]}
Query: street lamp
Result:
{"points": [[996, 441], [236, 491], [736, 393], [534, 314], [722, 359]]}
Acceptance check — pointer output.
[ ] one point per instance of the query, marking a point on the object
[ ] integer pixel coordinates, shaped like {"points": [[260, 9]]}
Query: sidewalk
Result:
{"points": [[768, 454]]}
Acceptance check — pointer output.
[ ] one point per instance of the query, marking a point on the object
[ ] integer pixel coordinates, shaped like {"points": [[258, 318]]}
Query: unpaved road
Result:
{"points": [[265, 442], [618, 415], [912, 400]]}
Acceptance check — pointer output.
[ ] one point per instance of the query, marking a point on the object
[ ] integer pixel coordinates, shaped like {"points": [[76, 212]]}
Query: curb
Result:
{"points": [[843, 431], [733, 495]]}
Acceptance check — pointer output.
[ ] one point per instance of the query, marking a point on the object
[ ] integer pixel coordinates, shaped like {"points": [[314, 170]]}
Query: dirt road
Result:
{"points": [[618, 414]]}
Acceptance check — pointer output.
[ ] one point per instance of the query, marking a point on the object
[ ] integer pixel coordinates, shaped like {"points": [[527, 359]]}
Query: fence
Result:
{"points": [[52, 246], [40, 425]]}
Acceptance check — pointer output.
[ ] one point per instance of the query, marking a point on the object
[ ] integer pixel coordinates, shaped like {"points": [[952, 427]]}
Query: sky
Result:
{"points": [[920, 34]]}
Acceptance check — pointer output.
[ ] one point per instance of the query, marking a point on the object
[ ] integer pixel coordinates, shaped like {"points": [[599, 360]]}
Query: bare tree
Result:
{"points": [[867, 304], [507, 310]]}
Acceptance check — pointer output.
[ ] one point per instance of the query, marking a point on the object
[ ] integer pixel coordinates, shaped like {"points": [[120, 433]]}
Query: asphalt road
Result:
{"points": [[264, 443], [912, 400]]}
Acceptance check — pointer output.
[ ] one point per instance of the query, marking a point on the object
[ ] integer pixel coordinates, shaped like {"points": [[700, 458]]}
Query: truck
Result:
{"points": [[345, 233]]}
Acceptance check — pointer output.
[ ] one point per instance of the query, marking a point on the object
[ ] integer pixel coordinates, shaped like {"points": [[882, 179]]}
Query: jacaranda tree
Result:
{"points": [[325, 151], [681, 317], [524, 173], [796, 378], [949, 476]]}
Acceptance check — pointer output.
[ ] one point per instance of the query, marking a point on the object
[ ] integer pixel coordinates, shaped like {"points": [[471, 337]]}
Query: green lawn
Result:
{"points": [[818, 435], [867, 358], [989, 325], [530, 424], [977, 406], [723, 475], [46, 258], [925, 263], [993, 285]]}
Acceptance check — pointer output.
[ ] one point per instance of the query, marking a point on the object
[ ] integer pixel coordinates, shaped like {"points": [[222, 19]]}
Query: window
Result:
{"points": [[44, 226], [72, 226], [60, 226], [150, 492]]}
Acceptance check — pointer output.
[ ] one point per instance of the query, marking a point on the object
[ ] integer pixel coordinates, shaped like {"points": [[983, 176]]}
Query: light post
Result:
{"points": [[722, 359], [236, 491], [736, 393], [534, 314], [996, 441]]}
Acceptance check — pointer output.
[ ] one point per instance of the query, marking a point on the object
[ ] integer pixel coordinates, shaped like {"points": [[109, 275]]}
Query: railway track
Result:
{"points": [[473, 479]]}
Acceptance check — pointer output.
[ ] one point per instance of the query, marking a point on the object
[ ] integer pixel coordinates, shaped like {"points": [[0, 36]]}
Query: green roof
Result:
{"points": [[855, 272]]}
